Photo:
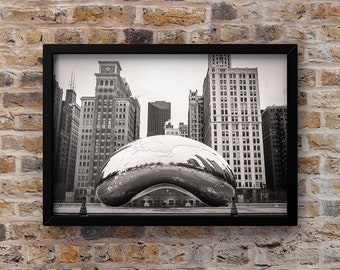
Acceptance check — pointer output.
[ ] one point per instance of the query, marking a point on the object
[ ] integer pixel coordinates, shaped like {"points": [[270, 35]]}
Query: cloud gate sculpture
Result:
{"points": [[171, 161]]}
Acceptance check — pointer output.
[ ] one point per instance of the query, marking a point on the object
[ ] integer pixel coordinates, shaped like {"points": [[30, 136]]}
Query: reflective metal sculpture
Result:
{"points": [[169, 160]]}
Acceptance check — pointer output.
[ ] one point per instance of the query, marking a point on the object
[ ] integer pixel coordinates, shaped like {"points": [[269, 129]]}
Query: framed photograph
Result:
{"points": [[170, 134]]}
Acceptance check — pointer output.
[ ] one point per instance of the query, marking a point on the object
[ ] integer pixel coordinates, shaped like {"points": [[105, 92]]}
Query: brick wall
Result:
{"points": [[26, 25]]}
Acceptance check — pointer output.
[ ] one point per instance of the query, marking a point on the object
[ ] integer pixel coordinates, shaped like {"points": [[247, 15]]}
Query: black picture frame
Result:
{"points": [[50, 218]]}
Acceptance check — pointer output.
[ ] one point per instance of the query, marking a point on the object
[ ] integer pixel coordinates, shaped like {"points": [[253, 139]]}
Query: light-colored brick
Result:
{"points": [[31, 143], [309, 209], [332, 166], [69, 254], [95, 233], [31, 79], [334, 186], [6, 121], [232, 33], [306, 77], [302, 187], [23, 99], [139, 253], [302, 98], [176, 253], [7, 164], [29, 164], [325, 11], [3, 232], [181, 232], [35, 231], [332, 120], [31, 36], [266, 11], [232, 255], [330, 255], [326, 99], [27, 58], [40, 254], [300, 33], [172, 37], [11, 255], [308, 256], [267, 33], [324, 53], [329, 142], [6, 79], [134, 253], [33, 209], [331, 230], [330, 32], [6, 209], [102, 36], [21, 188], [104, 14], [28, 122], [179, 16], [331, 208], [287, 11], [308, 119], [330, 78], [151, 253], [204, 36], [63, 36], [223, 11], [309, 164], [108, 253], [8, 35], [29, 15]]}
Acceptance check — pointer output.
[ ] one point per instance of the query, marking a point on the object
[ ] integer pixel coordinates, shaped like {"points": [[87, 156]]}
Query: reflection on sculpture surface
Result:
{"points": [[172, 161]]}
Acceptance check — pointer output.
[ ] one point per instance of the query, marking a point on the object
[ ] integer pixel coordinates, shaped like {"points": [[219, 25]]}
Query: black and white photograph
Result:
{"points": [[159, 136]]}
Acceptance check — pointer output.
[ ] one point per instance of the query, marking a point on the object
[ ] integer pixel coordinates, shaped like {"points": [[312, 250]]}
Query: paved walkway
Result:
{"points": [[243, 209]]}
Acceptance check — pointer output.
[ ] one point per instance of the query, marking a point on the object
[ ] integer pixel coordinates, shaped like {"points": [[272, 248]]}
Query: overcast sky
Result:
{"points": [[170, 77]]}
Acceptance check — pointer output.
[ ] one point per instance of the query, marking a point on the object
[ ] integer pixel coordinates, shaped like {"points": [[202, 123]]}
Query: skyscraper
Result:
{"points": [[67, 147], [158, 113], [83, 183], [116, 116], [195, 116], [57, 104], [275, 149], [232, 122]]}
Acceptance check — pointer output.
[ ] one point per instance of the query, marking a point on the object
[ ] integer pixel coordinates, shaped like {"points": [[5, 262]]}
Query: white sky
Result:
{"points": [[170, 77]]}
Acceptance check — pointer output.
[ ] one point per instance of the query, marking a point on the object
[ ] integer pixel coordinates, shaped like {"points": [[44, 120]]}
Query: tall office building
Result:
{"points": [[57, 103], [195, 116], [116, 116], [67, 147], [83, 183], [232, 122], [158, 113], [275, 149]]}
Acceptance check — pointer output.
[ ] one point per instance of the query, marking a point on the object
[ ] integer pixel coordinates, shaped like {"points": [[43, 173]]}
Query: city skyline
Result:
{"points": [[169, 78], [229, 113]]}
